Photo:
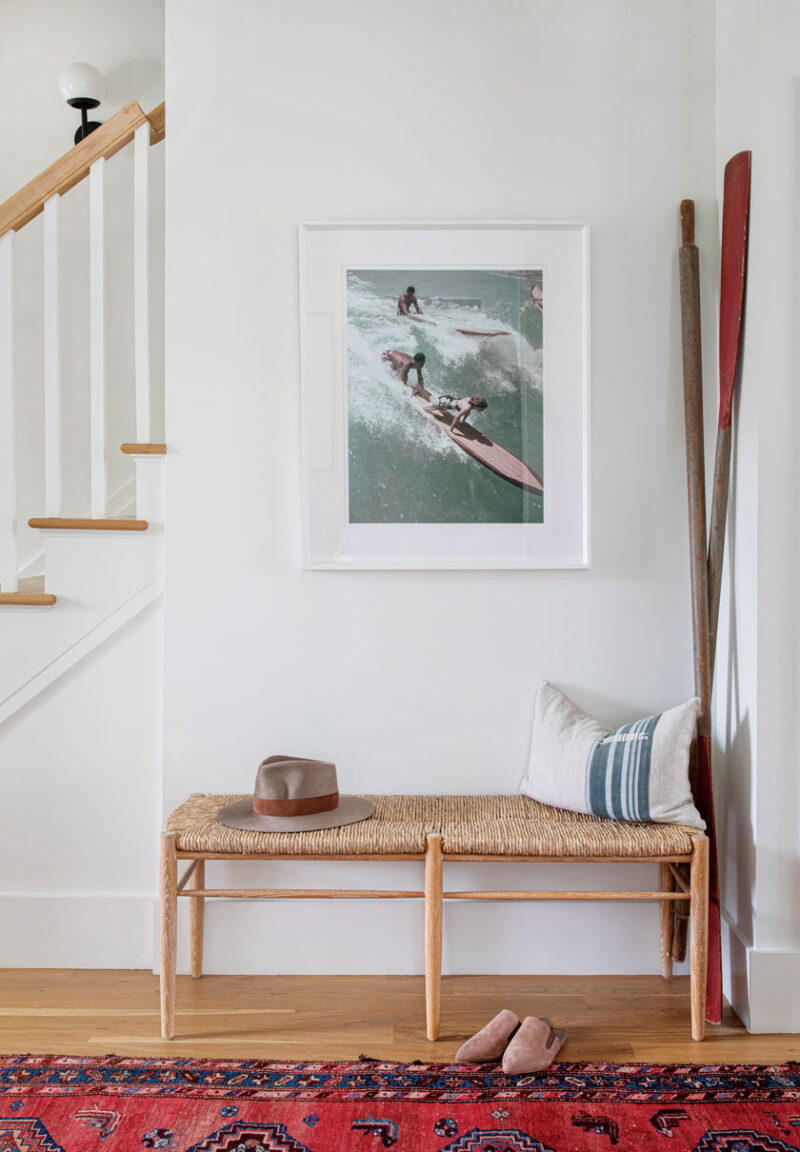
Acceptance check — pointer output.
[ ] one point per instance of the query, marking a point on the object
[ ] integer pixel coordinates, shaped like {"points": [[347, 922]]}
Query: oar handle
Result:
{"points": [[687, 221]]}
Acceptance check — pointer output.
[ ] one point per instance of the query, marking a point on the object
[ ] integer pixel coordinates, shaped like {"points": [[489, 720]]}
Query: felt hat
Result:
{"points": [[293, 794]]}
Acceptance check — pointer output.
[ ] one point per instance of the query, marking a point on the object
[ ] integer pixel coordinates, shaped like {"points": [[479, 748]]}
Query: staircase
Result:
{"points": [[81, 323]]}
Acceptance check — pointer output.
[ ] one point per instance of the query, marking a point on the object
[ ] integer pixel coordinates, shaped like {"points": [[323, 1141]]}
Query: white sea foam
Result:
{"points": [[379, 400], [456, 364]]}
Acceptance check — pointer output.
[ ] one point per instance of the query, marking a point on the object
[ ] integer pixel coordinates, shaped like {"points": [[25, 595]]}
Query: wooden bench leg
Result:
{"points": [[698, 917], [667, 914], [433, 933], [168, 885], [197, 912]]}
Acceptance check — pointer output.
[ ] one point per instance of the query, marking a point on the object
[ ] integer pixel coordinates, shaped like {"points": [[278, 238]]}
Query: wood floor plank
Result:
{"points": [[643, 1018], [122, 1013]]}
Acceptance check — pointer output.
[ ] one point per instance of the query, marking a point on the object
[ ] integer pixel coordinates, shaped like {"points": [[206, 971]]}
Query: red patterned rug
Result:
{"points": [[122, 1104]]}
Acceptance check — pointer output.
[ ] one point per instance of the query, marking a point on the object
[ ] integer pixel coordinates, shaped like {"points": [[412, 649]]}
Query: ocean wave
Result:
{"points": [[378, 400], [456, 364]]}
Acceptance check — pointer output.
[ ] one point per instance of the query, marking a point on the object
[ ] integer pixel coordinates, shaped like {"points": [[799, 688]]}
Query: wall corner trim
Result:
{"points": [[774, 980]]}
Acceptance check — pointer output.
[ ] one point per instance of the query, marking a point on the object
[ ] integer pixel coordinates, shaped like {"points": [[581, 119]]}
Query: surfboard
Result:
{"points": [[419, 319], [481, 332], [463, 330], [482, 448]]}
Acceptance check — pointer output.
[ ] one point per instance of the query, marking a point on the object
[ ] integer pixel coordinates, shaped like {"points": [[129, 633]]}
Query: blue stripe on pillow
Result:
{"points": [[618, 772]]}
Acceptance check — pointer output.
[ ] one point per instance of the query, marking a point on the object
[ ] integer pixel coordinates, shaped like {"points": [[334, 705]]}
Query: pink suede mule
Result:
{"points": [[533, 1047], [491, 1042]]}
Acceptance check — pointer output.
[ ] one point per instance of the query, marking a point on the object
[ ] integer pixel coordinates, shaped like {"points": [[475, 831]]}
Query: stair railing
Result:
{"points": [[43, 194]]}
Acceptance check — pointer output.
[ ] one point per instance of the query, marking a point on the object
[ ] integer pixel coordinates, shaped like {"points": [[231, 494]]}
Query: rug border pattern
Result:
{"points": [[182, 1077]]}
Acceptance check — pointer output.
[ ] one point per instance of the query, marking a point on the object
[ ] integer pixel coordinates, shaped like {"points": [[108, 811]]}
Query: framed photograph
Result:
{"points": [[445, 406]]}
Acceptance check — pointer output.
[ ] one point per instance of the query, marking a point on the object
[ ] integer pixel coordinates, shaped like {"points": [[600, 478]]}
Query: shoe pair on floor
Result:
{"points": [[527, 1045]]}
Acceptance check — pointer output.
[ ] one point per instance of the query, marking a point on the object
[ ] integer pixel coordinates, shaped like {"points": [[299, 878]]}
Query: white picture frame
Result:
{"points": [[329, 252]]}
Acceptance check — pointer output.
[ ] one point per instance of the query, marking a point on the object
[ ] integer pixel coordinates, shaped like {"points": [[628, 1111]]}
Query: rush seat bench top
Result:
{"points": [[490, 825], [435, 830]]}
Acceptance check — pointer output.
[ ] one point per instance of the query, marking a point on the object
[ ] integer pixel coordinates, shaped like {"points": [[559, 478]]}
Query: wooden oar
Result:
{"points": [[689, 267], [695, 474], [733, 266], [689, 263]]}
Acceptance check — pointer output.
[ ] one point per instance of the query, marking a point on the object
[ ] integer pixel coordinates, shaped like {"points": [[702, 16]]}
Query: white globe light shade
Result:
{"points": [[82, 82]]}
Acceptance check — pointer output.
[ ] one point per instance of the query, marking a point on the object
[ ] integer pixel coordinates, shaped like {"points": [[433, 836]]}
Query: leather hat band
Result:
{"points": [[305, 806]]}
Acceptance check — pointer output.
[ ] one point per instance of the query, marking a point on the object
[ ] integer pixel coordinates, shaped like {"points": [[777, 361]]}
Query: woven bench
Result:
{"points": [[435, 830]]}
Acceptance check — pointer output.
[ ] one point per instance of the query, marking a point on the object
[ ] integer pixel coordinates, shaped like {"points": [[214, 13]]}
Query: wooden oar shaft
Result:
{"points": [[695, 461], [689, 267], [716, 536]]}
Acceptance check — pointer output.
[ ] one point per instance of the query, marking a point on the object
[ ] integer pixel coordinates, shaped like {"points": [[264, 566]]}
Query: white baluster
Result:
{"points": [[8, 384], [141, 281], [97, 338], [52, 361]]}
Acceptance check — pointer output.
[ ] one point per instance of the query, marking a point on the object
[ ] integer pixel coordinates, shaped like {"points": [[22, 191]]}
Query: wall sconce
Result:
{"points": [[83, 87]]}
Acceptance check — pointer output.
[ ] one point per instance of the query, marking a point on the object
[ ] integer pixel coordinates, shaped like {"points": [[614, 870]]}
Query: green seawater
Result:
{"points": [[402, 467]]}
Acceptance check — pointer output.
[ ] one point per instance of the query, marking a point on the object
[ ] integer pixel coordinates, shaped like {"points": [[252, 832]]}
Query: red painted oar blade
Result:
{"points": [[735, 213], [733, 266]]}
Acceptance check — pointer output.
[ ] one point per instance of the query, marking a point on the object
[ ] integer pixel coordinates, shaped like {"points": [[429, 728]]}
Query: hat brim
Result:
{"points": [[350, 810]]}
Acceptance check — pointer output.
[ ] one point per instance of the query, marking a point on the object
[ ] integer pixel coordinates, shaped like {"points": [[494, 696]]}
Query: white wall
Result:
{"points": [[80, 769], [598, 111], [124, 39], [758, 107]]}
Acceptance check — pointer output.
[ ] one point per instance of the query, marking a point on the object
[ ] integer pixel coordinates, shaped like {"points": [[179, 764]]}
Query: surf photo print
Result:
{"points": [[445, 395], [444, 403]]}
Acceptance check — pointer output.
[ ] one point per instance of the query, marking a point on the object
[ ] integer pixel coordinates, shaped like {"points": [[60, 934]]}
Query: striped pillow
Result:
{"points": [[638, 772]]}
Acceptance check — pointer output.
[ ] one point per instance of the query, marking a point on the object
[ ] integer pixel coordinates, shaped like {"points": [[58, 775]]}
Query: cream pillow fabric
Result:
{"points": [[638, 772]]}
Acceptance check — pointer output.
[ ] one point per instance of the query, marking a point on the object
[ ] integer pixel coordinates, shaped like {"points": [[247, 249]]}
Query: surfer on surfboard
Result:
{"points": [[461, 407], [407, 301], [450, 413], [537, 297], [403, 364]]}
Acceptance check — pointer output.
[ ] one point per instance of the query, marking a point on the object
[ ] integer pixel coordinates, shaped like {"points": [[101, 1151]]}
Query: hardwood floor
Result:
{"points": [[342, 1017]]}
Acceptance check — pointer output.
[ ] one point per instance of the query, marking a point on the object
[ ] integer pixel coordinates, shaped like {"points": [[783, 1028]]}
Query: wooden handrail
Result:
{"points": [[158, 123], [71, 168]]}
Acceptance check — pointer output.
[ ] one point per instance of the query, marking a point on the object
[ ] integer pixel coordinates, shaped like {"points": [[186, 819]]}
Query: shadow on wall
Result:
{"points": [[734, 788]]}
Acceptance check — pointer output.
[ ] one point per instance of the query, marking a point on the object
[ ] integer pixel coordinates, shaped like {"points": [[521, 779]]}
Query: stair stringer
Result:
{"points": [[81, 648], [101, 579]]}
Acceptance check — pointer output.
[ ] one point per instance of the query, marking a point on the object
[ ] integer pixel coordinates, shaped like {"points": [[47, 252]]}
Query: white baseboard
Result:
{"points": [[329, 937], [82, 931], [774, 990], [761, 984]]}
